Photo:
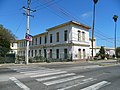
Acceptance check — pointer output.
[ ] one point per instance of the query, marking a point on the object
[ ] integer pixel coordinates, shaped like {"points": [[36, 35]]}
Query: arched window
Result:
{"points": [[79, 53], [79, 36], [84, 54], [83, 36]]}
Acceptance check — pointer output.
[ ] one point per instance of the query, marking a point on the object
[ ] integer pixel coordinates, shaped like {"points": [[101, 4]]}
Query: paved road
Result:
{"points": [[73, 76]]}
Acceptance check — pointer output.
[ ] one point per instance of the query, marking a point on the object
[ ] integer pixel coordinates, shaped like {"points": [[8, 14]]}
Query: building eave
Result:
{"points": [[68, 23]]}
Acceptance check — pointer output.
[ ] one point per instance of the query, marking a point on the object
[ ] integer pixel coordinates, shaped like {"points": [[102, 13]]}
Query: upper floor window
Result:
{"points": [[40, 40], [83, 36], [57, 37], [79, 35], [35, 41], [65, 35], [50, 38], [45, 39]]}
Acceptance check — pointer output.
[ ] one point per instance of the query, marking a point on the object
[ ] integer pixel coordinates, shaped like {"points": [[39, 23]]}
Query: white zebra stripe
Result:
{"points": [[54, 77], [62, 80], [20, 84], [47, 74], [82, 82], [97, 85]]}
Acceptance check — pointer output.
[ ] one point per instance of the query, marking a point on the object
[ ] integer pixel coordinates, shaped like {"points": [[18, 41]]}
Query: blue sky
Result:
{"points": [[54, 12]]}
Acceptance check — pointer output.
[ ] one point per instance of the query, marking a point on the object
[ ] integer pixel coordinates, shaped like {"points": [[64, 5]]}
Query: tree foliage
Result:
{"points": [[6, 37], [102, 52], [118, 52]]}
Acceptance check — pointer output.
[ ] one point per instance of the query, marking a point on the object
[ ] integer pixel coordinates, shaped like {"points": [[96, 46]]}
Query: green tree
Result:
{"points": [[118, 52], [6, 37], [102, 52]]}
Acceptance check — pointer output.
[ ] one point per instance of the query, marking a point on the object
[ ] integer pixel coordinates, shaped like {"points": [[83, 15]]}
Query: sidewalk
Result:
{"points": [[98, 62]]}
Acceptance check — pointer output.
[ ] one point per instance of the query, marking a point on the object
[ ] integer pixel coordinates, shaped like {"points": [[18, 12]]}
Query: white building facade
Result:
{"points": [[68, 40]]}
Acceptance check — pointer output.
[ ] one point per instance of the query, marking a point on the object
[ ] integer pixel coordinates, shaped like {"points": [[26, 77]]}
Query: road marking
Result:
{"points": [[42, 72], [82, 82], [54, 77], [97, 86], [35, 71], [47, 74], [62, 80], [20, 84]]}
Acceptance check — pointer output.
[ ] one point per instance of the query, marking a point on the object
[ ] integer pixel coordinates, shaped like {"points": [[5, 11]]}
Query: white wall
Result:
{"points": [[75, 52], [14, 48]]}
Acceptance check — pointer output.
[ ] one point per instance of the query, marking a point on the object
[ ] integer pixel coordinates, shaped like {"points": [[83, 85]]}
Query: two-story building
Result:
{"points": [[67, 40]]}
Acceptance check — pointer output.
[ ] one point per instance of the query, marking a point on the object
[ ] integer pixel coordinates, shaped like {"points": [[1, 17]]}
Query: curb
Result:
{"points": [[108, 65]]}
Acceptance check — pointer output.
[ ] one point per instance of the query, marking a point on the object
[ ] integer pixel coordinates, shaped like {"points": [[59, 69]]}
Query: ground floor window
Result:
{"points": [[84, 53], [65, 53], [79, 53], [32, 53], [29, 53], [39, 52], [50, 53], [45, 53], [35, 52], [57, 53]]}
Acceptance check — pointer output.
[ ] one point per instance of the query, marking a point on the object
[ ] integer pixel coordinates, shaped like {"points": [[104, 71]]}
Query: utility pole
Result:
{"points": [[115, 17], [95, 2], [28, 10]]}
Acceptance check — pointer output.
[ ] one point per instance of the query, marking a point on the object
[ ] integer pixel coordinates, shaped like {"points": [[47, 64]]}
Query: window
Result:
{"points": [[29, 43], [35, 41], [29, 53], [57, 53], [83, 36], [23, 53], [57, 37], [84, 53], [50, 38], [39, 52], [50, 53], [65, 53], [45, 53], [65, 35], [45, 39], [40, 40], [79, 53], [35, 52], [79, 35], [32, 53]]}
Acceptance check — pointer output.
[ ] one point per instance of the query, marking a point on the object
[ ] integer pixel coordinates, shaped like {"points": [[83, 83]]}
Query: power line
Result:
{"points": [[53, 12], [21, 22], [46, 4]]}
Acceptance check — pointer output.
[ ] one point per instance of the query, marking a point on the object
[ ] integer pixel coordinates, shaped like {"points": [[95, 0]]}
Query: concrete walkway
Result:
{"points": [[98, 62]]}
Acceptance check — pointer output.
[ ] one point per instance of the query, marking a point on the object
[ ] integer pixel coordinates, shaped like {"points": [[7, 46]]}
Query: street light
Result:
{"points": [[115, 17], [95, 2]]}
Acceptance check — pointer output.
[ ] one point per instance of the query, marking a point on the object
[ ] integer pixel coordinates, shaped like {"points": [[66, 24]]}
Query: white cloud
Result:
{"points": [[86, 14]]}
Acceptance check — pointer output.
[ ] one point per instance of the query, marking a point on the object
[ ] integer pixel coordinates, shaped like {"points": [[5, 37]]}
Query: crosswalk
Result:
{"points": [[54, 78]]}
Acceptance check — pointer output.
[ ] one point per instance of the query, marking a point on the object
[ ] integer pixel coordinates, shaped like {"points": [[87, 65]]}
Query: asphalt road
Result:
{"points": [[66, 76]]}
